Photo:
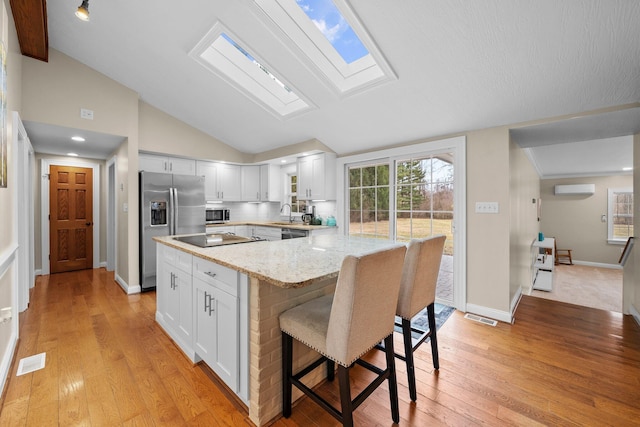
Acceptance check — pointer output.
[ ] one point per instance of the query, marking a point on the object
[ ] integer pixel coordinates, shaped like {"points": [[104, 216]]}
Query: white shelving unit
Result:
{"points": [[543, 263]]}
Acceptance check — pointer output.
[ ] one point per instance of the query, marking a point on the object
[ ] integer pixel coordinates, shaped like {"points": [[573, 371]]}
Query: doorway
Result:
{"points": [[70, 218], [46, 168]]}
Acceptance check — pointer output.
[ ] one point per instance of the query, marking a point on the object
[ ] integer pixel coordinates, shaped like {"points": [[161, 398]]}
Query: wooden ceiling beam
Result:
{"points": [[30, 17]]}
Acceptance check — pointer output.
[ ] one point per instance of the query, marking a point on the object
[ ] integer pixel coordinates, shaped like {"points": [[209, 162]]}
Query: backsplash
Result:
{"points": [[270, 211]]}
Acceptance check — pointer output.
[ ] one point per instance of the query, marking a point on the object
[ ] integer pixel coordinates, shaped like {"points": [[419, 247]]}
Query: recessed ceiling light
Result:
{"points": [[72, 154], [78, 138], [283, 161], [627, 169]]}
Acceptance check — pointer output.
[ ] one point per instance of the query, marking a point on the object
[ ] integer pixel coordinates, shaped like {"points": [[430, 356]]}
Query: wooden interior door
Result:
{"points": [[70, 218]]}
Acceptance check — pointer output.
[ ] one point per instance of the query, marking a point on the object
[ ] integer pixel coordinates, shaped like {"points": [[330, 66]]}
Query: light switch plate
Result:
{"points": [[487, 207], [86, 114]]}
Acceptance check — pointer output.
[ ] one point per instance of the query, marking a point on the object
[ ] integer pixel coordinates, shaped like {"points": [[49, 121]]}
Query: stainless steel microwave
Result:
{"points": [[217, 215]]}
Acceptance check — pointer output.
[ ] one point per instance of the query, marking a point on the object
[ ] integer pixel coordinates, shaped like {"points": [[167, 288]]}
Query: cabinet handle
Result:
{"points": [[210, 274], [165, 165], [173, 281], [170, 167], [211, 304], [207, 302]]}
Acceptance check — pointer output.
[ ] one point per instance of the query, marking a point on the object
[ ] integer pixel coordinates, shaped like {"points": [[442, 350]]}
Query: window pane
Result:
{"points": [[403, 226], [368, 198], [382, 175], [443, 197], [355, 197], [441, 171], [369, 176], [382, 198], [354, 177], [420, 224], [403, 198]]}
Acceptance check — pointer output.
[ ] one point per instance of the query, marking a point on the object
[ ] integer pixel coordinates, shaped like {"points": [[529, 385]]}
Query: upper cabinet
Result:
{"points": [[166, 164], [221, 180], [261, 183], [251, 183], [270, 183], [317, 177]]}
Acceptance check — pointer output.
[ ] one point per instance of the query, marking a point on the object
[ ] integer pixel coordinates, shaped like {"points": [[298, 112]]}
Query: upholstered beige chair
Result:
{"points": [[417, 291], [344, 326]]}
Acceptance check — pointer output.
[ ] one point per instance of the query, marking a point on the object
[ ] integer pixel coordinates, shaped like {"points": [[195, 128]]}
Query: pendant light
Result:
{"points": [[83, 10]]}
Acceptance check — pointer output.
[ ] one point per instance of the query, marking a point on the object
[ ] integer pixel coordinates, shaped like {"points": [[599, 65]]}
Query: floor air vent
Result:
{"points": [[31, 363], [480, 319]]}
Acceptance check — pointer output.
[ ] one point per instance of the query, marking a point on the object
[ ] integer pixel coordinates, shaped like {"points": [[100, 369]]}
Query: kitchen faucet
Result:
{"points": [[290, 217]]}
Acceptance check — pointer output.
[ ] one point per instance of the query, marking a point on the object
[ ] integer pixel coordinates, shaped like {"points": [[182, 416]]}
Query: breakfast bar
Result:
{"points": [[278, 275]]}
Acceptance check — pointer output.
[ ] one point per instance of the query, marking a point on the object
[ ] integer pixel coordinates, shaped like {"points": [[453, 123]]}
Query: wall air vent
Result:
{"points": [[566, 190]]}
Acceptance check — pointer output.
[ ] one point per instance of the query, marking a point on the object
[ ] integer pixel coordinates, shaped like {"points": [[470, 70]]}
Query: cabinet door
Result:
{"points": [[163, 279], [251, 183], [216, 333], [182, 166], [203, 336], [305, 177], [210, 172], [172, 303], [225, 358], [317, 172], [229, 182], [270, 183], [151, 163], [184, 290]]}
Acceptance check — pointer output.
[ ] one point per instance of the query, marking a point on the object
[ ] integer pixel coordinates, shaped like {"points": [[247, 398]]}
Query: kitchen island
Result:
{"points": [[278, 275]]}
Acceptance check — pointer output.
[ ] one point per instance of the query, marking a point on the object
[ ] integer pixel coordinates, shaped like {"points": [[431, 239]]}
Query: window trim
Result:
{"points": [[610, 196]]}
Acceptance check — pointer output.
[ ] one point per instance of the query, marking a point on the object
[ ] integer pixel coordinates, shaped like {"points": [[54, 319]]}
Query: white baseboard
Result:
{"points": [[598, 264], [103, 264], [514, 303], [7, 358], [38, 272], [125, 287], [634, 312], [491, 313]]}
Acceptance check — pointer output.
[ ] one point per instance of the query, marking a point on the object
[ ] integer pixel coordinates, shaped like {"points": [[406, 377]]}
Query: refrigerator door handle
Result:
{"points": [[172, 211], [175, 210]]}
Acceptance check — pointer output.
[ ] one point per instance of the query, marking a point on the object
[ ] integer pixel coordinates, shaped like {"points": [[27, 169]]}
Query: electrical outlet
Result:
{"points": [[487, 207]]}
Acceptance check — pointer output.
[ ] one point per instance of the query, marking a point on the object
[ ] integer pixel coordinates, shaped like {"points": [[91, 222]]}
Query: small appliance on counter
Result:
{"points": [[309, 215]]}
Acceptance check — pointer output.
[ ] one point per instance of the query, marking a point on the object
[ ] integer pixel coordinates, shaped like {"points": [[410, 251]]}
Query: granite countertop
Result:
{"points": [[291, 263], [275, 224]]}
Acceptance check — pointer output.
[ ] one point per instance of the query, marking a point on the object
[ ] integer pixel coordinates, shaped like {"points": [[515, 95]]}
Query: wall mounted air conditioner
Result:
{"points": [[584, 189]]}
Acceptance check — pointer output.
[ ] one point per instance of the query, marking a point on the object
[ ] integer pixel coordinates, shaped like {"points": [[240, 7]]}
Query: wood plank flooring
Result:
{"points": [[108, 363]]}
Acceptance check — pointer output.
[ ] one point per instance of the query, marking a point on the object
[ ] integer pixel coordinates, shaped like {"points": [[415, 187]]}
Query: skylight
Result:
{"points": [[328, 35], [220, 53], [335, 28]]}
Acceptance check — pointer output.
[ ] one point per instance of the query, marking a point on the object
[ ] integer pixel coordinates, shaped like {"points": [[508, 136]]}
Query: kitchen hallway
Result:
{"points": [[109, 363]]}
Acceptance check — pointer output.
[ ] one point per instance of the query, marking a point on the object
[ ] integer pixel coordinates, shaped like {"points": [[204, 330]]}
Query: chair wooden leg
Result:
{"points": [[331, 370], [393, 384], [408, 354], [345, 396], [431, 316], [287, 372]]}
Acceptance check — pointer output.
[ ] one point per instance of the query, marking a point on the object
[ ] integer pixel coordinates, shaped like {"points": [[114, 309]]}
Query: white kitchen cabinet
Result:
{"points": [[222, 181], [270, 183], [216, 306], [174, 292], [251, 183], [317, 177], [166, 164]]}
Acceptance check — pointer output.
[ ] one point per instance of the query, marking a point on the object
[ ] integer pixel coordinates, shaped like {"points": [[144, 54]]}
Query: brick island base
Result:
{"points": [[267, 301]]}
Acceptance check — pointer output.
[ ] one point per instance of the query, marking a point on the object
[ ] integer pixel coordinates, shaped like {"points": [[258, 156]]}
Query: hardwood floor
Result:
{"points": [[109, 363]]}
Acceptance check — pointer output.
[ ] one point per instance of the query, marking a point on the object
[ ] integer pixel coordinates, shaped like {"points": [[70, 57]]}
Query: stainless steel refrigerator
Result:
{"points": [[169, 204]]}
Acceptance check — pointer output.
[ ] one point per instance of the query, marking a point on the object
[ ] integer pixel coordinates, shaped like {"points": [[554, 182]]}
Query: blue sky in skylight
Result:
{"points": [[328, 19]]}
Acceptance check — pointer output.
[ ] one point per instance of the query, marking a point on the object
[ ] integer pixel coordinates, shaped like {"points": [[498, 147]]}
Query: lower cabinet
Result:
{"points": [[204, 308]]}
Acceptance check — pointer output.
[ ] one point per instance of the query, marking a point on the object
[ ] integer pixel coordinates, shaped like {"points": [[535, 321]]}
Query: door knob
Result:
{"points": [[88, 224]]}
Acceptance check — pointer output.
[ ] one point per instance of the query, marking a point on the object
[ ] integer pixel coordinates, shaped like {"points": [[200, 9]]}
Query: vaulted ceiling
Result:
{"points": [[460, 65]]}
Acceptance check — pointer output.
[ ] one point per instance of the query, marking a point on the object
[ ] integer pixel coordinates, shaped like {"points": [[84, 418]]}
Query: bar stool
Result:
{"points": [[417, 291], [343, 327]]}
